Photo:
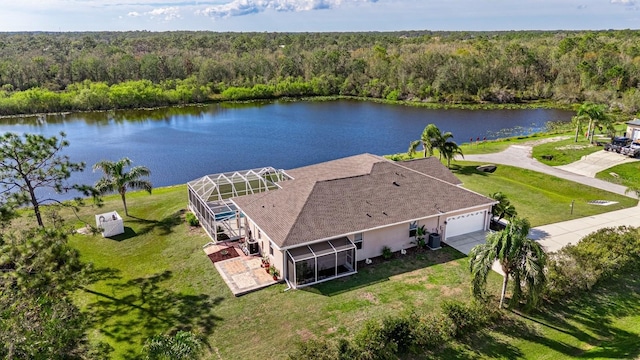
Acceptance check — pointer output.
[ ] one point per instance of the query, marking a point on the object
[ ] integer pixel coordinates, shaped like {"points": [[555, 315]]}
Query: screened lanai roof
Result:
{"points": [[217, 187], [319, 249]]}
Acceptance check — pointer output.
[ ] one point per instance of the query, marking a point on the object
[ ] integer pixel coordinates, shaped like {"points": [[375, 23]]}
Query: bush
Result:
{"points": [[466, 318], [400, 330], [386, 253], [371, 343], [192, 220], [597, 257], [314, 350]]}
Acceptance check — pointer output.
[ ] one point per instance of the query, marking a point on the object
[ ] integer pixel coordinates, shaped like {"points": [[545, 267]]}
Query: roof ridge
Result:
{"points": [[421, 173], [295, 221]]}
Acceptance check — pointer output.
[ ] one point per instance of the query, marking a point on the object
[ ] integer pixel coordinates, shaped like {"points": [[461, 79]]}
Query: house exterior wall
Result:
{"points": [[277, 259], [396, 237], [633, 132]]}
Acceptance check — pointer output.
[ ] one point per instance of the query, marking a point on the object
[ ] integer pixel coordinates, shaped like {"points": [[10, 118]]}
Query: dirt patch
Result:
{"points": [[370, 298], [449, 291], [572, 147], [430, 286], [305, 334], [544, 141]]}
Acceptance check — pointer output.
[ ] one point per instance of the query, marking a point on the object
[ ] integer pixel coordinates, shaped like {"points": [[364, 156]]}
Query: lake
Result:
{"points": [[180, 144]]}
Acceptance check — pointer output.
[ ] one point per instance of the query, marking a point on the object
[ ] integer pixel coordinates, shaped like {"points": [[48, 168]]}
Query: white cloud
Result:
{"points": [[624, 2], [245, 7], [168, 13], [133, 14]]}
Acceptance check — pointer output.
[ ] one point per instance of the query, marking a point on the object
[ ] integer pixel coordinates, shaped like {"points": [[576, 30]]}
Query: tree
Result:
{"points": [[117, 179], [504, 208], [592, 112], [38, 273], [519, 257], [183, 345], [431, 138], [32, 164], [449, 150]]}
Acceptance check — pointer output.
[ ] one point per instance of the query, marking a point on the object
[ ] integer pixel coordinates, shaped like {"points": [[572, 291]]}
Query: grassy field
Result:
{"points": [[628, 174], [155, 278], [540, 198], [564, 152]]}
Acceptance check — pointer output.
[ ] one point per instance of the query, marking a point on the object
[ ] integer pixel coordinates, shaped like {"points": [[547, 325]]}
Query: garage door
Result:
{"points": [[465, 223]]}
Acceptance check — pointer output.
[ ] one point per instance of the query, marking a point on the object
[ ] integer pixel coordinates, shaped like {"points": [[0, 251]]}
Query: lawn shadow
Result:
{"points": [[481, 344], [381, 270], [589, 319], [537, 234], [165, 225], [127, 234], [137, 309]]}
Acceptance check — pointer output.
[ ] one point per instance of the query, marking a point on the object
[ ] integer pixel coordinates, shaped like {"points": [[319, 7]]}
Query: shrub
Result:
{"points": [[386, 253], [596, 258], [466, 318], [401, 330], [192, 220], [314, 350], [371, 343]]}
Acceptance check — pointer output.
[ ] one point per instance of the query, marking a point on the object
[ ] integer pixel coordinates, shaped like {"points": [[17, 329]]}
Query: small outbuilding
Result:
{"points": [[111, 224], [633, 130]]}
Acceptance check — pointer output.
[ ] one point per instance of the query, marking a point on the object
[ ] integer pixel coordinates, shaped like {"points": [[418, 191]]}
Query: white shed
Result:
{"points": [[111, 224]]}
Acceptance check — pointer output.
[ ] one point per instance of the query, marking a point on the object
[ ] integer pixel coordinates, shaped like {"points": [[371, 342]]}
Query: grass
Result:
{"points": [[538, 197], [564, 151], [602, 324], [628, 174], [155, 278]]}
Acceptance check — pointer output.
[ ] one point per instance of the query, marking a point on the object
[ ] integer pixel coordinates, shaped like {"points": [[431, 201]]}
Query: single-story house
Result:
{"points": [[633, 130], [316, 222]]}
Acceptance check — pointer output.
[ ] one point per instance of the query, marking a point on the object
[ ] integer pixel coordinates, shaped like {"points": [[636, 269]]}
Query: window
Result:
{"points": [[413, 227], [357, 240], [270, 249], [259, 234]]}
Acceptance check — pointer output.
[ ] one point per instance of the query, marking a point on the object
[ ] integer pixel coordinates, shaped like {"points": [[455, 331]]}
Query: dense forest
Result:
{"points": [[49, 72]]}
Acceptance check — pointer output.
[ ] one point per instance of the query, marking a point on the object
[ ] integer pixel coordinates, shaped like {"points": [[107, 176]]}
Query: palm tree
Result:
{"points": [[431, 138], [504, 208], [519, 257], [117, 179], [450, 149], [592, 112]]}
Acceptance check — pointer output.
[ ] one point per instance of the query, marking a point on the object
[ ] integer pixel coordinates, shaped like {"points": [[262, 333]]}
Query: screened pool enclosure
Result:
{"points": [[314, 263], [209, 199]]}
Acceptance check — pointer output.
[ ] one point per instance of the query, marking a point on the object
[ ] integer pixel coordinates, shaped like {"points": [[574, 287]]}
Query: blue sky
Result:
{"points": [[317, 15]]}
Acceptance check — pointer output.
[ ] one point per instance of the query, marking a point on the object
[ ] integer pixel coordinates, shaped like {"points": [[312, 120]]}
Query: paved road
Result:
{"points": [[520, 156], [595, 162]]}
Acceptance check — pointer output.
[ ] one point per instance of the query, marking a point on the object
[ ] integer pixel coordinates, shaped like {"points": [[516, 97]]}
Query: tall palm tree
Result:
{"points": [[117, 179], [592, 112], [519, 257], [449, 150], [432, 138]]}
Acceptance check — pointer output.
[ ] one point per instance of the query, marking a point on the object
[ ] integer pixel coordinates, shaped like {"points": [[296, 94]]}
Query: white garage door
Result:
{"points": [[465, 223]]}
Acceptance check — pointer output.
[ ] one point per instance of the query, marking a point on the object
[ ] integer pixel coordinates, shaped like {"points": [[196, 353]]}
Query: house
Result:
{"points": [[633, 130], [316, 222]]}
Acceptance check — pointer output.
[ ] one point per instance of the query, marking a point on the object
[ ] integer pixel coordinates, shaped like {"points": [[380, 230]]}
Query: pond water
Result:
{"points": [[180, 144]]}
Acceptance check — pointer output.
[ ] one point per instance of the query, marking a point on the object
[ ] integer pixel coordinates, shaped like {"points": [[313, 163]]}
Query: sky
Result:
{"points": [[317, 15]]}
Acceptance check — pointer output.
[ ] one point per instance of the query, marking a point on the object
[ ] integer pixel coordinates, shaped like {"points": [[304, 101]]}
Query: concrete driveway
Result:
{"points": [[593, 163]]}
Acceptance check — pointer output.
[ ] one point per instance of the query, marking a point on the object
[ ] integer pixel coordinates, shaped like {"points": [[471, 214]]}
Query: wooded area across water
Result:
{"points": [[52, 72]]}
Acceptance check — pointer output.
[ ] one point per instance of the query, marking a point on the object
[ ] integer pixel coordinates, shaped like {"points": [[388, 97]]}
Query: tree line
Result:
{"points": [[104, 70]]}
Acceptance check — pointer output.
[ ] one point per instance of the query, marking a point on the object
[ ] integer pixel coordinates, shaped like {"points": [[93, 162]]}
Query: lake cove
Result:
{"points": [[180, 144]]}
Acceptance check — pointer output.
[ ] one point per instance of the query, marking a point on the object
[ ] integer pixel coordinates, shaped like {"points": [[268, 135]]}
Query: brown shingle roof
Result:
{"points": [[352, 194]]}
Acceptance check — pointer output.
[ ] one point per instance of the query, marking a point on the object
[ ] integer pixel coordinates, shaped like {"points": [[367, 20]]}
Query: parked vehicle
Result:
{"points": [[632, 150], [617, 143]]}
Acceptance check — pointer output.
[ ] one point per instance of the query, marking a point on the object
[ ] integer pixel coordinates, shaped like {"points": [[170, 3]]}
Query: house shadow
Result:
{"points": [[381, 270], [467, 170], [139, 308]]}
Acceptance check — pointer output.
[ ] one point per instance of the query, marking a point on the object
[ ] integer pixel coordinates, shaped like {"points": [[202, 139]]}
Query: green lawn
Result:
{"points": [[628, 174], [538, 197], [155, 278], [564, 152]]}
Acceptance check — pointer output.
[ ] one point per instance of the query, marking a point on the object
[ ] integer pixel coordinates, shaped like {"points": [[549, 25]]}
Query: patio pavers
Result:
{"points": [[244, 274]]}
